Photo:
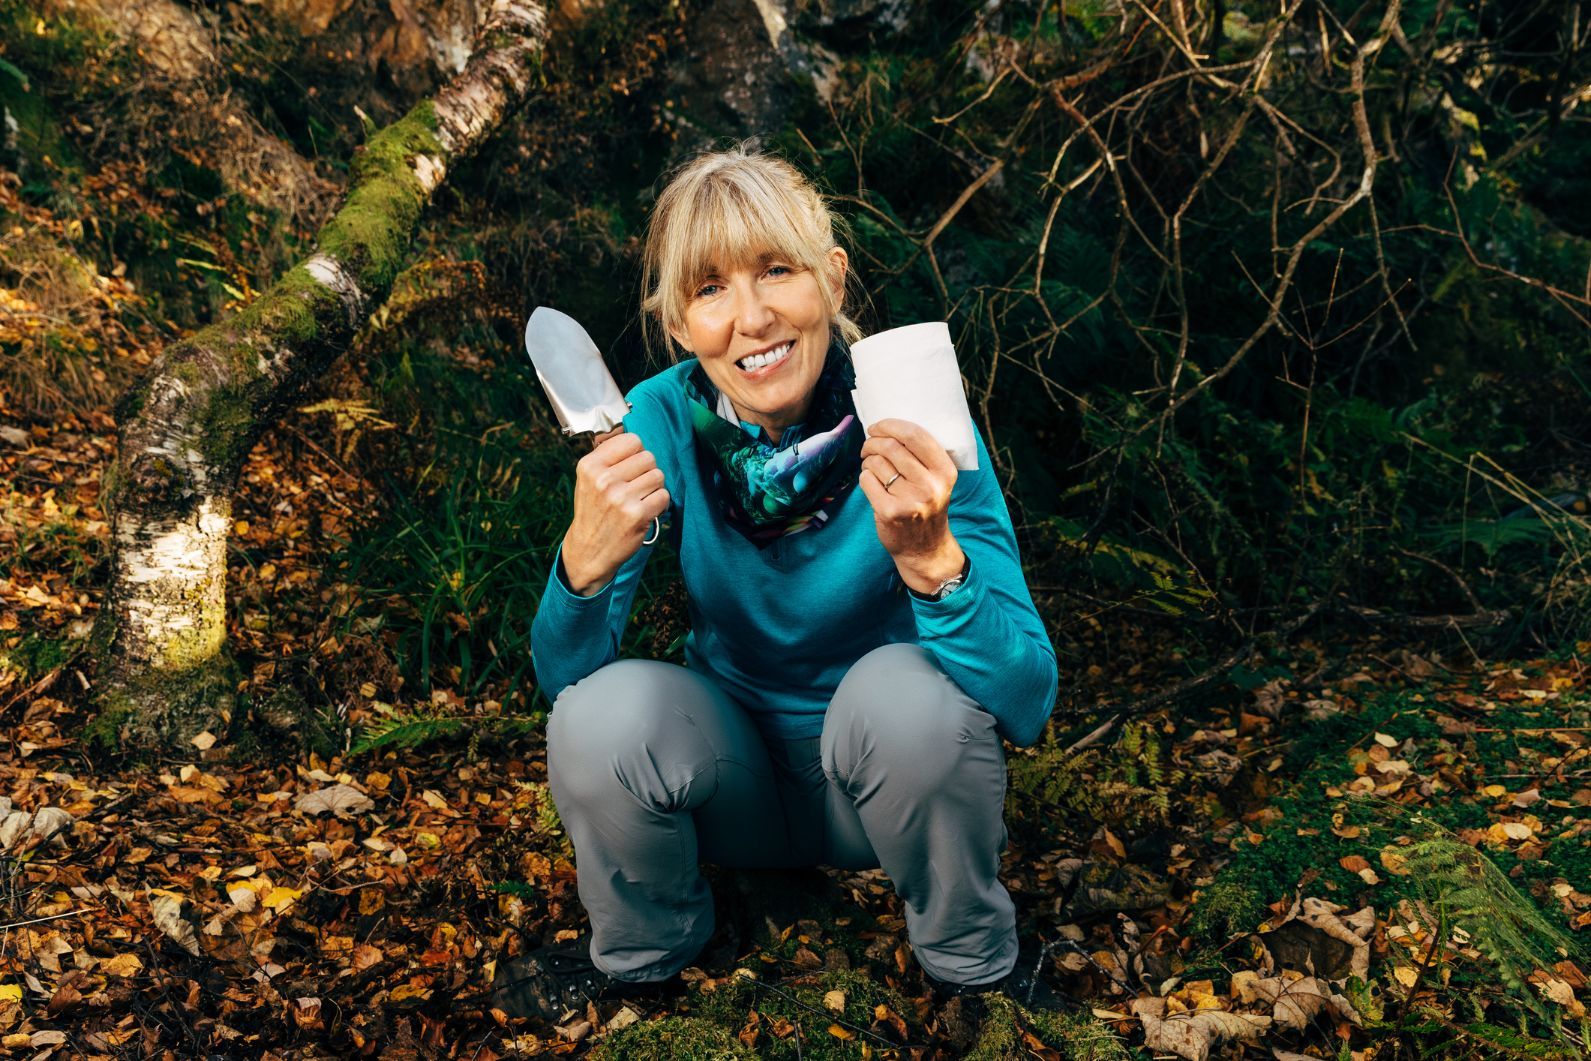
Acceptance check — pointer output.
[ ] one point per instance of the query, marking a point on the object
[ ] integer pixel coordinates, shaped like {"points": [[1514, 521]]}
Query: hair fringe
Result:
{"points": [[726, 207]]}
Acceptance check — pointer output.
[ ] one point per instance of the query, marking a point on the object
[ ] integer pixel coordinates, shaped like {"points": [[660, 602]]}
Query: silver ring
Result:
{"points": [[891, 482], [657, 532]]}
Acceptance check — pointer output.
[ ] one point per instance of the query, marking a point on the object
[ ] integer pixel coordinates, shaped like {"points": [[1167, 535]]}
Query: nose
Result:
{"points": [[753, 315]]}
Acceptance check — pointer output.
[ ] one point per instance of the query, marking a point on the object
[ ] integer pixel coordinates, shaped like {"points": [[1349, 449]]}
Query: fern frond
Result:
{"points": [[413, 729], [1467, 890]]}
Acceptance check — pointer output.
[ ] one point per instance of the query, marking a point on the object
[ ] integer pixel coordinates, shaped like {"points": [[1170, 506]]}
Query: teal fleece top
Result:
{"points": [[778, 627]]}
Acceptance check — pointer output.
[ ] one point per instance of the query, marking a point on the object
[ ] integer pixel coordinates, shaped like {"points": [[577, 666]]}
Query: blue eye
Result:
{"points": [[784, 268], [702, 291]]}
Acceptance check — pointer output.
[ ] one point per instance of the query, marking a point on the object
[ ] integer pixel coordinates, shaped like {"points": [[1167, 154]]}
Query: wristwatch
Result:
{"points": [[949, 585]]}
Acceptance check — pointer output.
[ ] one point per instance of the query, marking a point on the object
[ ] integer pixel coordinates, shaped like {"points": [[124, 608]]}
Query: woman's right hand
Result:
{"points": [[618, 492]]}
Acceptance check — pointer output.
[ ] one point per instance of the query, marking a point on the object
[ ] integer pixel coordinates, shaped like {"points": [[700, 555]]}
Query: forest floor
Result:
{"points": [[1347, 845], [1232, 874]]}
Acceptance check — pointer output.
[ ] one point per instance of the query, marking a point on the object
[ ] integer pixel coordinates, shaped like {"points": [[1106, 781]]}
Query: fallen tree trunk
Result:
{"points": [[163, 674]]}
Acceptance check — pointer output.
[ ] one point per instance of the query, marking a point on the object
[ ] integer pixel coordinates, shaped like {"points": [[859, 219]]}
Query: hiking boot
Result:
{"points": [[1024, 985], [548, 982]]}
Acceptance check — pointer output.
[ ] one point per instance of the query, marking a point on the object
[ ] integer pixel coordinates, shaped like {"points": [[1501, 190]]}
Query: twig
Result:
{"points": [[53, 917]]}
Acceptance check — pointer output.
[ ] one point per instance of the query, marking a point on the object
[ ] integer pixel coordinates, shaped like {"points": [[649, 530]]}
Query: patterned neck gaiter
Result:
{"points": [[767, 490]]}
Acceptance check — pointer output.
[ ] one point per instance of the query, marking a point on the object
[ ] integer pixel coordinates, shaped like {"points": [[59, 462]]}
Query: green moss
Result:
{"points": [[295, 312], [102, 734], [69, 39], [34, 656], [195, 646], [803, 1002], [671, 1039], [1077, 1036], [1228, 908], [370, 234], [37, 137], [156, 713]]}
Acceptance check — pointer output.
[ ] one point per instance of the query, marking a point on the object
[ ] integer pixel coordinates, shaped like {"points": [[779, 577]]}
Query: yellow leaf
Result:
{"points": [[10, 993], [282, 898], [1393, 862], [841, 1033], [122, 965], [407, 991]]}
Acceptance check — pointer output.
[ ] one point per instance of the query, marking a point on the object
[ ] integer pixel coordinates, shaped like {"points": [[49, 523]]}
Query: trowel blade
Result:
{"points": [[572, 372]]}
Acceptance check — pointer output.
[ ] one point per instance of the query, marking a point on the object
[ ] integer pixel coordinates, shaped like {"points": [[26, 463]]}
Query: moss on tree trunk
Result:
{"points": [[163, 671]]}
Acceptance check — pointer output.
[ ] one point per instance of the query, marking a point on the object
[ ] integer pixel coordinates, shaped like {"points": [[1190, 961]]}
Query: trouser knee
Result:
{"points": [[619, 733], [897, 714]]}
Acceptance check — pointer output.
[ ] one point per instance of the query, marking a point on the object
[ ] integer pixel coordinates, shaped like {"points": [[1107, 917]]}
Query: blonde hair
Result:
{"points": [[725, 208]]}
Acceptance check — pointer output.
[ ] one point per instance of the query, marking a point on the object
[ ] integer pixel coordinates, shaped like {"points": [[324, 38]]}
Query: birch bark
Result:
{"points": [[163, 674]]}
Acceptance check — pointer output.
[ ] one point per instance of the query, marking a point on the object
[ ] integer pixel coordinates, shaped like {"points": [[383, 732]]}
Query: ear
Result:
{"points": [[839, 261], [681, 338]]}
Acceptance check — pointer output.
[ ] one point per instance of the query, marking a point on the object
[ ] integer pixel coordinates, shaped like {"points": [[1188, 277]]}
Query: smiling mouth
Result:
{"points": [[756, 363]]}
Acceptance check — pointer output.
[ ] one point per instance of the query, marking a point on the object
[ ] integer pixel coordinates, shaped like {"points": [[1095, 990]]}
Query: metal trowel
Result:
{"points": [[577, 382], [572, 372]]}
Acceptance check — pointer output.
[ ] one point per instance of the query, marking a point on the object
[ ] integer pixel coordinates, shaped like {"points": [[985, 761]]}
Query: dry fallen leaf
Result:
{"points": [[1192, 1035], [1294, 1004], [122, 965], [342, 800], [1316, 938], [166, 907]]}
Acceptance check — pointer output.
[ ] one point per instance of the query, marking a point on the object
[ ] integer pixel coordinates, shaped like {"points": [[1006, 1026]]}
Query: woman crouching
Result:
{"points": [[861, 635]]}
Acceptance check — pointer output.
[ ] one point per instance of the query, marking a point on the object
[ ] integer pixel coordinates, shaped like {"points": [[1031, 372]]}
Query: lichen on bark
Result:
{"points": [[186, 428]]}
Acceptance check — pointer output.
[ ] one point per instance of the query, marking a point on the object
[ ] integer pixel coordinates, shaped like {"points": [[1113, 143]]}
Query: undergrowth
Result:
{"points": [[1488, 900]]}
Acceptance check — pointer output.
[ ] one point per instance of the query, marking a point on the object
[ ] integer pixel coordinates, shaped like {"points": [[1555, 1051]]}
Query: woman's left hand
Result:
{"points": [[907, 476]]}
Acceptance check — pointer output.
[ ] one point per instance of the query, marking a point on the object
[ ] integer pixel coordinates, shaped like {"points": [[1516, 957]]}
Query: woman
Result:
{"points": [[861, 635]]}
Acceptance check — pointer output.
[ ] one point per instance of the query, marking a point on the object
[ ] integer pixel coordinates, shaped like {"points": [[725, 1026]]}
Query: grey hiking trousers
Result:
{"points": [[653, 769]]}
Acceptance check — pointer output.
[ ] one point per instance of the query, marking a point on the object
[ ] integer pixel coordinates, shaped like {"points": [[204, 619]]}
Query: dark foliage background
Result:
{"points": [[1274, 312]]}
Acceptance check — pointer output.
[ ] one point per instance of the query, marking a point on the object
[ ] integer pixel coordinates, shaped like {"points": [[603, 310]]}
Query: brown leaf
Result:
{"points": [[574, 1031], [1315, 938], [166, 908], [1294, 1004], [748, 1034], [1192, 1035], [66, 995], [339, 799]]}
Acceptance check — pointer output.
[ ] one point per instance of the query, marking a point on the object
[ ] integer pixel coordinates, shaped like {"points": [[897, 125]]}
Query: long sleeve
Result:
{"points": [[987, 635], [572, 636]]}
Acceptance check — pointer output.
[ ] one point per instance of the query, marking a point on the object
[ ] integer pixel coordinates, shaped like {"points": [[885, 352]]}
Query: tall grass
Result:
{"points": [[452, 577]]}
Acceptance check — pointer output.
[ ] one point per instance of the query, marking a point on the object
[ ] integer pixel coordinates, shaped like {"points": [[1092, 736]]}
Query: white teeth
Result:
{"points": [[763, 360]]}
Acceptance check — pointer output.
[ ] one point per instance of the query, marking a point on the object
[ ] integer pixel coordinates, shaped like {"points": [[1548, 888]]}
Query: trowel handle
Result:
{"points": [[599, 437]]}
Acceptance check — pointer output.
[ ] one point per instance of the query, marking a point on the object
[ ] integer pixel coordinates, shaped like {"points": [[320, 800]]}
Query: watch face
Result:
{"points": [[948, 588]]}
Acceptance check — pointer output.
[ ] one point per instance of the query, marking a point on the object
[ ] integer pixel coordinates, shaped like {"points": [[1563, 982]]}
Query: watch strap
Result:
{"points": [[949, 585]]}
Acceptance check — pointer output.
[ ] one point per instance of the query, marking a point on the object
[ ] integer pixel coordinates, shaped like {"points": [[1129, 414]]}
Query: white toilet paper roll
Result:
{"points": [[911, 374]]}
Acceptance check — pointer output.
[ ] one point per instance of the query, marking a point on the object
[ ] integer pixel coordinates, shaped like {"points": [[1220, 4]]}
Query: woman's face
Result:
{"points": [[761, 333]]}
